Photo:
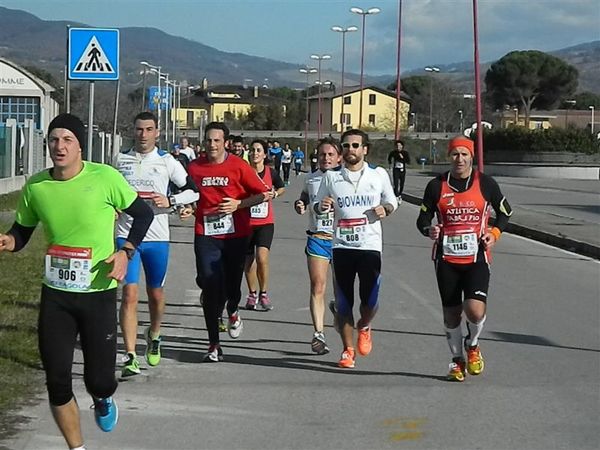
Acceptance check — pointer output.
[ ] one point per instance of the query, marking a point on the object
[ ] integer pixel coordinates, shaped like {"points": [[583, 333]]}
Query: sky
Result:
{"points": [[434, 32]]}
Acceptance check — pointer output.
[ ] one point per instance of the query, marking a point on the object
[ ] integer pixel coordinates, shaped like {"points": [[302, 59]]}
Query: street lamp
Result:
{"points": [[516, 110], [155, 69], [567, 103], [460, 114], [307, 71], [432, 70], [363, 13], [343, 31], [319, 58], [592, 124]]}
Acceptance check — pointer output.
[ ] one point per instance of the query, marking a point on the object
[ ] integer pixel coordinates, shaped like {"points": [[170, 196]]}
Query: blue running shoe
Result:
{"points": [[106, 413]]}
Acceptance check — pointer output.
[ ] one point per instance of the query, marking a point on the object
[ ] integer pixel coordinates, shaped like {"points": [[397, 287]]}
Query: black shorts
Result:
{"points": [[262, 236], [458, 281]]}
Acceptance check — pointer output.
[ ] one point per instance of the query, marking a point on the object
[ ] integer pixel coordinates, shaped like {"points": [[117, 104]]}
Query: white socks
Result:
{"points": [[474, 331], [454, 337]]}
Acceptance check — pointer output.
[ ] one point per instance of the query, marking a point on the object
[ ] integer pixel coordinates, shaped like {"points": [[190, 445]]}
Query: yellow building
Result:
{"points": [[219, 103], [538, 120], [378, 111]]}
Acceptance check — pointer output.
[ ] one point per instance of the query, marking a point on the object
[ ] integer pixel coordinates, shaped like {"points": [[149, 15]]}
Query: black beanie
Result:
{"points": [[71, 123]]}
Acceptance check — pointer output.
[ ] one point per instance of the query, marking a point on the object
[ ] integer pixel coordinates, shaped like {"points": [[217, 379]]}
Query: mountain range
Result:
{"points": [[30, 41]]}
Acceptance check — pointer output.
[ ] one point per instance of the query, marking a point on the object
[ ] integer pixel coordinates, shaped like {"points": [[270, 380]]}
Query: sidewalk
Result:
{"points": [[559, 212]]}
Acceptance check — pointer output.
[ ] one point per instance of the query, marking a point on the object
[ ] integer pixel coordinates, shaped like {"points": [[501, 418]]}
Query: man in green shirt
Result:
{"points": [[76, 203]]}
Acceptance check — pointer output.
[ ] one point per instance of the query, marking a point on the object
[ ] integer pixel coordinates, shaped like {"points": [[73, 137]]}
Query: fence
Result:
{"points": [[23, 152]]}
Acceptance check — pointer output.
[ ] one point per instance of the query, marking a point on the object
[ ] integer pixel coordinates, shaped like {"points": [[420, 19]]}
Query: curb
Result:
{"points": [[581, 248]]}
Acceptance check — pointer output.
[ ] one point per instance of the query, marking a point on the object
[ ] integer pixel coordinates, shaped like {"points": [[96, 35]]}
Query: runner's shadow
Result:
{"points": [[322, 366]]}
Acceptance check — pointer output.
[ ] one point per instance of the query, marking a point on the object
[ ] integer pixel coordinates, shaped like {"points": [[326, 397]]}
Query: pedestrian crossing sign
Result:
{"points": [[93, 54]]}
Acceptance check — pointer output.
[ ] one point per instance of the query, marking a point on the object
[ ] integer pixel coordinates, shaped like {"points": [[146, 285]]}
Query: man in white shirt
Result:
{"points": [[149, 171], [360, 196], [186, 149]]}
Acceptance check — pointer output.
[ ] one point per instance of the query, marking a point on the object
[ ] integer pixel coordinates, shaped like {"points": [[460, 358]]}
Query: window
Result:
{"points": [[346, 119], [347, 100], [372, 99], [20, 108], [372, 119]]}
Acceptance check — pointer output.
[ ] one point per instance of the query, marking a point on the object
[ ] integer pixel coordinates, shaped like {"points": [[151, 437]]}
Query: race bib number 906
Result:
{"points": [[69, 267]]}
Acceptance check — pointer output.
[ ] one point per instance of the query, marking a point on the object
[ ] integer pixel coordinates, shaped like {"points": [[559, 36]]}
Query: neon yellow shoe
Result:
{"points": [[152, 349], [456, 370], [475, 363]]}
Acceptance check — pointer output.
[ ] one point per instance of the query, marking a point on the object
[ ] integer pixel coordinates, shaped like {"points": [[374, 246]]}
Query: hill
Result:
{"points": [[30, 41]]}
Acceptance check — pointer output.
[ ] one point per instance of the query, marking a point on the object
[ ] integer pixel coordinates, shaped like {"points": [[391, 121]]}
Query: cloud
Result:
{"points": [[441, 31]]}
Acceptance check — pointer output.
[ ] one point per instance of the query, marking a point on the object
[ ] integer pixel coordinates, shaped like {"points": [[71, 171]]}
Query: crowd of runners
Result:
{"points": [[228, 186]]}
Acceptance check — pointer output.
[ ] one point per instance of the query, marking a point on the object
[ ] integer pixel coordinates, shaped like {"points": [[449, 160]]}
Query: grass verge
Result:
{"points": [[20, 283]]}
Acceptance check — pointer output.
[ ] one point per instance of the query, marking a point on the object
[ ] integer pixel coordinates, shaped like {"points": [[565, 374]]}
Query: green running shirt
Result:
{"points": [[79, 218]]}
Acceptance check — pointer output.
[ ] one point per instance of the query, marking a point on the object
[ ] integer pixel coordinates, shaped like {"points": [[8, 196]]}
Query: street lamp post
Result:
{"points": [[432, 70], [319, 119], [363, 13], [307, 71], [461, 123], [592, 123], [343, 31], [155, 69], [567, 103]]}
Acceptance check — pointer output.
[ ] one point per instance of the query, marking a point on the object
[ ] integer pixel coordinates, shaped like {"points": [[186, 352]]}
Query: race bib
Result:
{"points": [[399, 165], [69, 267], [352, 231], [260, 211], [218, 224], [325, 222], [298, 161], [462, 244]]}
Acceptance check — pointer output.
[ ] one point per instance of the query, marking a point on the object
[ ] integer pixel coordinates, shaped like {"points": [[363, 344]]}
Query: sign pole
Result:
{"points": [[115, 119], [90, 137]]}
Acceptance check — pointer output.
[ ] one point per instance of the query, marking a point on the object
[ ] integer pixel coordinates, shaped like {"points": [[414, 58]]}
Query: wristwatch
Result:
{"points": [[129, 252], [172, 201]]}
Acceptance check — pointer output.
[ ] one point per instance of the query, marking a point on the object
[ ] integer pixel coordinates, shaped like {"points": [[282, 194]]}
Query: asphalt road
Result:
{"points": [[539, 390]]}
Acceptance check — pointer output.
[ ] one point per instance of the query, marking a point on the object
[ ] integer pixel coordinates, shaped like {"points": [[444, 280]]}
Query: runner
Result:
{"points": [[298, 157], [397, 160], [360, 196], [461, 200], [286, 163], [262, 220], [149, 171], [228, 187], [237, 144], [318, 244], [76, 202], [186, 149]]}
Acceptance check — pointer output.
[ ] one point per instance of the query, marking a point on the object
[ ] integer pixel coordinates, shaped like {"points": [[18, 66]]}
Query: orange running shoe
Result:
{"points": [[347, 359], [364, 343], [456, 370], [475, 362]]}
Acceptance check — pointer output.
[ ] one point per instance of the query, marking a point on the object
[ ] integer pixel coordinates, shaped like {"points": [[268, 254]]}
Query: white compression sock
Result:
{"points": [[474, 331], [454, 337]]}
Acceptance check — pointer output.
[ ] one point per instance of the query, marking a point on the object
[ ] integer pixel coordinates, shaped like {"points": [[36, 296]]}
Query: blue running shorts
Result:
{"points": [[318, 247], [154, 256]]}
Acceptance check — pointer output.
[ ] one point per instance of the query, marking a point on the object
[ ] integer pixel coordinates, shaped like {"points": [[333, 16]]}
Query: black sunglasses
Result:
{"points": [[353, 144]]}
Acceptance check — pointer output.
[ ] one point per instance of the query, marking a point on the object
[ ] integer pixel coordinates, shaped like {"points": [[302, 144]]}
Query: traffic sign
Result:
{"points": [[93, 54]]}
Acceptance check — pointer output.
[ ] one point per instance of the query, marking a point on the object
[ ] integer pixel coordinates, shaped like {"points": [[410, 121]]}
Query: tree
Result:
{"points": [[584, 100], [531, 79]]}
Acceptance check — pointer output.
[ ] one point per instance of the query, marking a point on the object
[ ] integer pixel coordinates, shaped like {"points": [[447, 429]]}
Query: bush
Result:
{"points": [[519, 139]]}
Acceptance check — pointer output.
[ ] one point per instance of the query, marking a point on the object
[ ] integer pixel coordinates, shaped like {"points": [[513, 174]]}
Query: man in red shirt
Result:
{"points": [[228, 186]]}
